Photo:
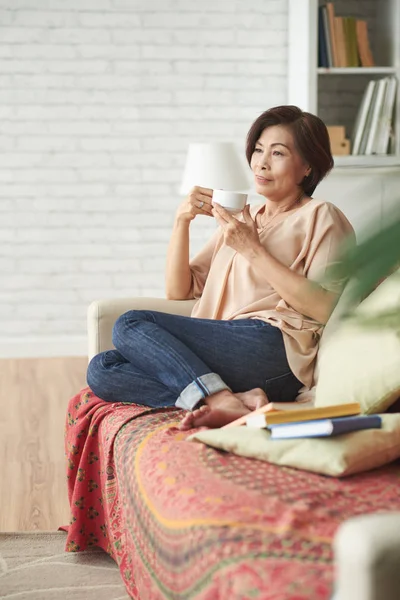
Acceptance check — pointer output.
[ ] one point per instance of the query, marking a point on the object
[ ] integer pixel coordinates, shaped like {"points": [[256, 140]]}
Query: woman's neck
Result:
{"points": [[273, 207]]}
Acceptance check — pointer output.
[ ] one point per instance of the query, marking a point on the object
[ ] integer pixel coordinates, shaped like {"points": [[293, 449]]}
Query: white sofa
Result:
{"points": [[367, 548]]}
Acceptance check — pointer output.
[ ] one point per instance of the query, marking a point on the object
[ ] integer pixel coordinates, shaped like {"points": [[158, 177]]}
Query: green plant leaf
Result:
{"points": [[368, 263]]}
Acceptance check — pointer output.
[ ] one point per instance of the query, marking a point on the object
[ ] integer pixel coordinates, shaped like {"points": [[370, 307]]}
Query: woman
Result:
{"points": [[253, 333]]}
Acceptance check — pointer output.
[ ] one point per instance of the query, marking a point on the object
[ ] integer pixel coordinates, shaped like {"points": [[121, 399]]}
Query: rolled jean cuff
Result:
{"points": [[200, 388]]}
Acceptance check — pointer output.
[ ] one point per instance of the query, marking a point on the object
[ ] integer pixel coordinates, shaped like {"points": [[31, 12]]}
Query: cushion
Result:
{"points": [[336, 456], [359, 362]]}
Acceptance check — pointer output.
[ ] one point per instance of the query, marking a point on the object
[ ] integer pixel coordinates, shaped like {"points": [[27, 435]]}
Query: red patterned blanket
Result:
{"points": [[184, 521]]}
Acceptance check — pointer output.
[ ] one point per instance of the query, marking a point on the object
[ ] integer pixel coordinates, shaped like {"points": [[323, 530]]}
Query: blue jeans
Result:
{"points": [[170, 360]]}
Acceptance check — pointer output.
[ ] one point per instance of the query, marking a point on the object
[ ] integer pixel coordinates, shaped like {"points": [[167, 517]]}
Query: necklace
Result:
{"points": [[286, 208]]}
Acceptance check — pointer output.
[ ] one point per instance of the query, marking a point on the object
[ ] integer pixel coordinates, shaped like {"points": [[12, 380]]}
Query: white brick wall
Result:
{"points": [[98, 102]]}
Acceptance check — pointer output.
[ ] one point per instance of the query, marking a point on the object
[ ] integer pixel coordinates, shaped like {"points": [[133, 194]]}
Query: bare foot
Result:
{"points": [[253, 399], [221, 408], [205, 416]]}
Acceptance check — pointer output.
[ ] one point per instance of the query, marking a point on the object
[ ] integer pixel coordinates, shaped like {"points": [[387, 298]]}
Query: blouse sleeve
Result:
{"points": [[329, 230], [200, 265]]}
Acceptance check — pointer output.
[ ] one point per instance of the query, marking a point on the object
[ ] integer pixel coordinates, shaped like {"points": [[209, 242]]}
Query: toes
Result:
{"points": [[187, 421], [200, 411], [194, 419]]}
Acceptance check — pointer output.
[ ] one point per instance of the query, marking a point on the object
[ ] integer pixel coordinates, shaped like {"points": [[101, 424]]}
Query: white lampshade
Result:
{"points": [[216, 166]]}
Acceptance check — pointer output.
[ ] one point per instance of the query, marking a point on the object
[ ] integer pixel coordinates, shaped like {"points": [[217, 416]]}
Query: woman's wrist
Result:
{"points": [[253, 251], [182, 219]]}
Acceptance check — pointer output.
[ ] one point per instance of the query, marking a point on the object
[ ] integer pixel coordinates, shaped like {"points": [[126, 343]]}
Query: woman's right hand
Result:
{"points": [[197, 202]]}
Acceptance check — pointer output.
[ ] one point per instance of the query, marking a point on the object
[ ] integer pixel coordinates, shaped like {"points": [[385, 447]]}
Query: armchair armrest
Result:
{"points": [[102, 314], [367, 558]]}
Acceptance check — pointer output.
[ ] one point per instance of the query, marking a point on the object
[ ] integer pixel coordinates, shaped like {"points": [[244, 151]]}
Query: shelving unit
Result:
{"points": [[335, 94]]}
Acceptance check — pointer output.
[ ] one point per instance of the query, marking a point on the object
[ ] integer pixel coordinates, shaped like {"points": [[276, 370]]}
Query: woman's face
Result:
{"points": [[277, 166]]}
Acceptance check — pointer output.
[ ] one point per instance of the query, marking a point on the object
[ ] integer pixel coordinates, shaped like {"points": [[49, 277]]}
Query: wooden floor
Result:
{"points": [[33, 398]]}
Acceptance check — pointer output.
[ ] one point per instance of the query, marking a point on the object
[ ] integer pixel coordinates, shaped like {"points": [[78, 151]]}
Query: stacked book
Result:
{"points": [[373, 127], [342, 41], [285, 422]]}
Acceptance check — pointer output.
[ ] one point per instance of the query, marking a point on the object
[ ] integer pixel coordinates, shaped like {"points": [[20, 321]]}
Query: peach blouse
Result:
{"points": [[227, 287]]}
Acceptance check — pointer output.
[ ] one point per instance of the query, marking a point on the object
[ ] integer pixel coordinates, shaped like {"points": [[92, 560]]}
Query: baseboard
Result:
{"points": [[44, 347]]}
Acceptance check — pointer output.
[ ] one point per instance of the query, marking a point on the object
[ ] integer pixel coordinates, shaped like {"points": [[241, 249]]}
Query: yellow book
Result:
{"points": [[309, 414], [271, 414], [352, 36]]}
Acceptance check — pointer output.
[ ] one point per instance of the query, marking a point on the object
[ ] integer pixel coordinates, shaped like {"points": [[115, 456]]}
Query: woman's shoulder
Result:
{"points": [[325, 212], [323, 207], [312, 207]]}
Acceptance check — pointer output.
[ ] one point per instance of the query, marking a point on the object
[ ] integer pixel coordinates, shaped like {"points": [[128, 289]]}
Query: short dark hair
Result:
{"points": [[310, 135]]}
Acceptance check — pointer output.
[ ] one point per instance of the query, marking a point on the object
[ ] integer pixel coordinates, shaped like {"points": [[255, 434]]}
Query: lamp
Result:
{"points": [[214, 165]]}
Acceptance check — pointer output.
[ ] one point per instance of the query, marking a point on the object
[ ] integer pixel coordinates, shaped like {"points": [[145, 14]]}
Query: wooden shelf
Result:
{"points": [[356, 70], [367, 161]]}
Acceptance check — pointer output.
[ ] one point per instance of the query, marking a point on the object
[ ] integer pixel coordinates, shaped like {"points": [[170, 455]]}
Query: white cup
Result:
{"points": [[232, 201]]}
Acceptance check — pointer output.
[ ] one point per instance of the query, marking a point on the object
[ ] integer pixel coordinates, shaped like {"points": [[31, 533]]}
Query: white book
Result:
{"points": [[362, 118], [385, 124], [381, 115], [380, 95], [367, 126]]}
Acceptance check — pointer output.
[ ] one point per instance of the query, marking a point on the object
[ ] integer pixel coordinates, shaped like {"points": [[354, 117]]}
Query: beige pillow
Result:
{"points": [[361, 364], [336, 456]]}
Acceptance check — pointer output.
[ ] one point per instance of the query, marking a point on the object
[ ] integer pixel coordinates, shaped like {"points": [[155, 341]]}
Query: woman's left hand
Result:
{"points": [[242, 237]]}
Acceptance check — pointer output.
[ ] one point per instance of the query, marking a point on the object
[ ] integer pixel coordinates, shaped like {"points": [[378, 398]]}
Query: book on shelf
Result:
{"points": [[324, 427], [376, 110], [368, 121], [327, 33], [364, 50], [323, 60], [361, 118], [342, 41], [373, 124], [274, 413], [331, 21], [385, 119], [349, 24], [325, 57]]}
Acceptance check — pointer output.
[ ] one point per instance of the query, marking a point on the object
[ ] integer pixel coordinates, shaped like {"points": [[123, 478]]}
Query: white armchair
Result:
{"points": [[367, 558], [102, 315], [367, 548]]}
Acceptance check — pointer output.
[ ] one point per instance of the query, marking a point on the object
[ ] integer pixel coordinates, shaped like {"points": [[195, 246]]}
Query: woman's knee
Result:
{"points": [[98, 376], [125, 322], [94, 372]]}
